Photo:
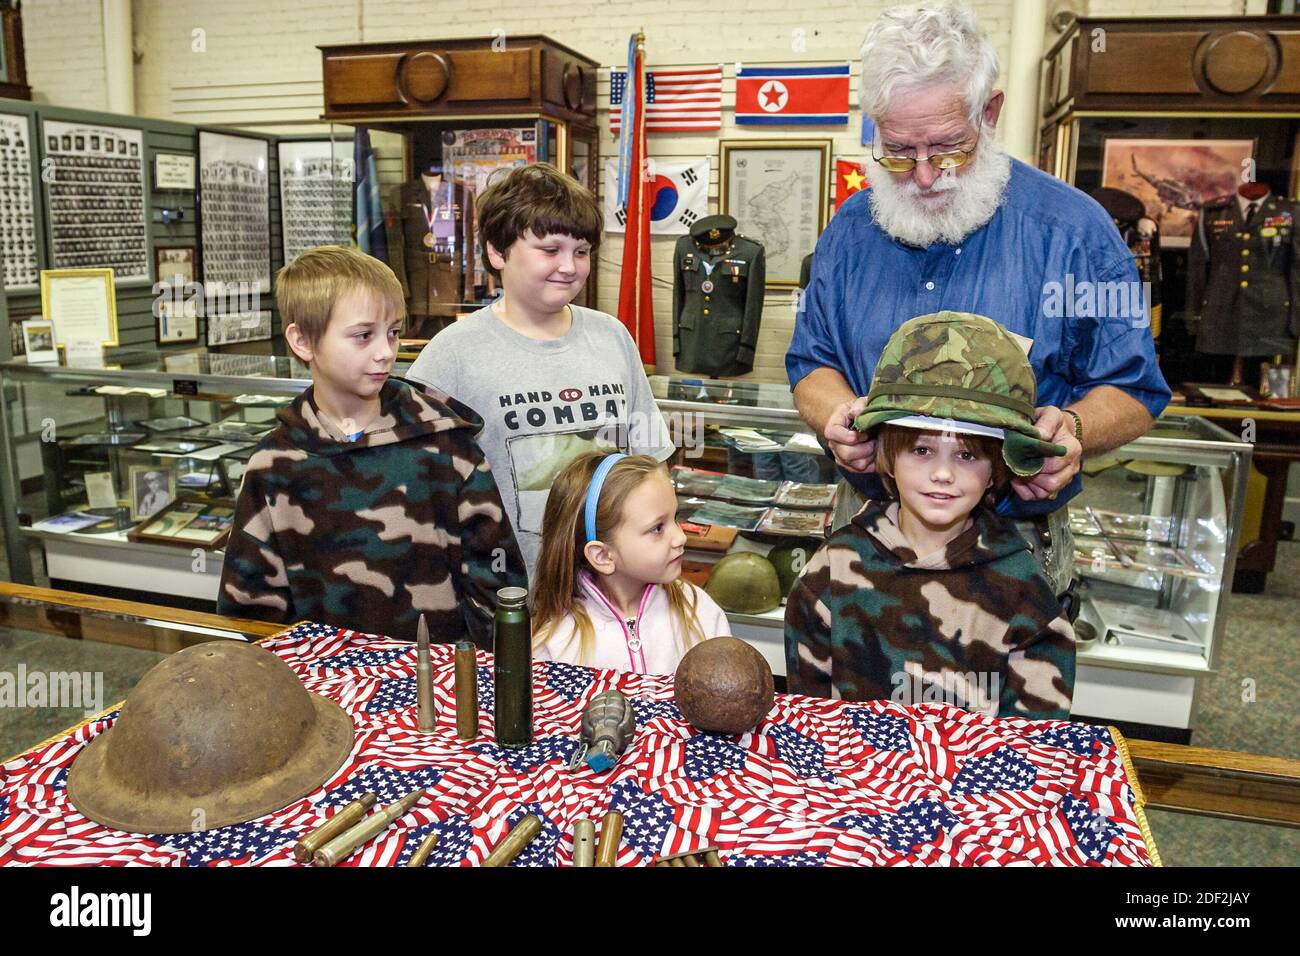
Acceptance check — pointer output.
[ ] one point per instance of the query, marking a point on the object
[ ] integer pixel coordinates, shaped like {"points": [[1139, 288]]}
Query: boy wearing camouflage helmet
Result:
{"points": [[934, 596]]}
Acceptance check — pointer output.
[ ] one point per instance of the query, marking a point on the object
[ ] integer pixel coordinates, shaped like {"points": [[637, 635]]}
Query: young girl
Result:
{"points": [[608, 591]]}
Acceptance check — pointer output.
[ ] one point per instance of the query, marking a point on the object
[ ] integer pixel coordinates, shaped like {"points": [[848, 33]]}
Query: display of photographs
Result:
{"points": [[1175, 177], [17, 215], [729, 516], [1132, 527], [38, 341], [778, 191], [780, 521], [315, 194], [173, 446], [747, 490], [693, 481], [234, 211], [171, 423], [152, 489], [794, 494], [96, 199], [186, 523], [239, 327], [167, 521]]}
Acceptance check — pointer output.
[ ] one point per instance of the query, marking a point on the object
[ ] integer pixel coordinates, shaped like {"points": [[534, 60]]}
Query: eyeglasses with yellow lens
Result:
{"points": [[940, 161]]}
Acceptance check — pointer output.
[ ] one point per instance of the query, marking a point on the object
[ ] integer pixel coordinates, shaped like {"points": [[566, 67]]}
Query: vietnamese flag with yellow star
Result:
{"points": [[849, 179]]}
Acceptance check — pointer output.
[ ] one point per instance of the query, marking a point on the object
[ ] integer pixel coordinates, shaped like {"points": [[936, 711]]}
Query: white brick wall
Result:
{"points": [[260, 67]]}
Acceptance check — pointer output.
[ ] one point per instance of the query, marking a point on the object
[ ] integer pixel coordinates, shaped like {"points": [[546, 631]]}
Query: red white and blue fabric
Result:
{"points": [[800, 95], [818, 782], [676, 101], [677, 194]]}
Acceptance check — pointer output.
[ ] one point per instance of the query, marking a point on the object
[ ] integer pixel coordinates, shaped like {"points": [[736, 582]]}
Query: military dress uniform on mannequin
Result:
{"points": [[718, 280], [436, 216], [1241, 276], [1142, 236]]}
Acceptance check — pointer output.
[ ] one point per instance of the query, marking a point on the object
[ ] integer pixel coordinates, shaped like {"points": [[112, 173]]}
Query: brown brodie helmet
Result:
{"points": [[216, 734]]}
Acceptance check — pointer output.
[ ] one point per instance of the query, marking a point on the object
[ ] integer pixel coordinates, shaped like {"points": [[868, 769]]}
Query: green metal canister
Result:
{"points": [[512, 649]]}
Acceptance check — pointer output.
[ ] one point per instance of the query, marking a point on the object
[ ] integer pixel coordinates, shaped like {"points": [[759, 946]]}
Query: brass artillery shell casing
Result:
{"points": [[423, 680], [689, 860], [425, 848], [520, 835], [340, 847], [348, 816], [584, 842], [711, 858], [466, 692], [611, 834], [676, 861]]}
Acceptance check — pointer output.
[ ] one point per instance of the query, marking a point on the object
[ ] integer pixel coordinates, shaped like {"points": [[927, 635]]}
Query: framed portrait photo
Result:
{"points": [[174, 264], [152, 490], [778, 191], [38, 340]]}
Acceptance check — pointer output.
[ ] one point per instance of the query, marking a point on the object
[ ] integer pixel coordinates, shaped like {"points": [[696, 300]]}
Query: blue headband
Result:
{"points": [[593, 490]]}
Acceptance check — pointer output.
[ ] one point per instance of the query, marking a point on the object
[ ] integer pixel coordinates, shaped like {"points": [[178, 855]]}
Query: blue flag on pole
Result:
{"points": [[368, 213]]}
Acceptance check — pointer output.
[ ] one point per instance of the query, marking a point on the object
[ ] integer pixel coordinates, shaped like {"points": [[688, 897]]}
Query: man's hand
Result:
{"points": [[1058, 428], [853, 450]]}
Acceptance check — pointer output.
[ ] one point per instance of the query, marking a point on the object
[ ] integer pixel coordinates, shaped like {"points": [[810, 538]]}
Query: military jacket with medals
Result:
{"points": [[1241, 277], [717, 299]]}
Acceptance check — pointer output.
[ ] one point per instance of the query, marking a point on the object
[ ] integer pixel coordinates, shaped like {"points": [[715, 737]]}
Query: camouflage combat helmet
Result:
{"points": [[960, 372]]}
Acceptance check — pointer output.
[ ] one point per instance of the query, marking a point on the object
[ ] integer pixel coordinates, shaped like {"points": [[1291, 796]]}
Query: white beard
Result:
{"points": [[973, 198]]}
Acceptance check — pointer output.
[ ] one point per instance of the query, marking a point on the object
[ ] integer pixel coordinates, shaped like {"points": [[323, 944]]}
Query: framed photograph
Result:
{"points": [[315, 194], [779, 193], [171, 423], [1175, 177], [174, 265], [173, 171], [18, 238], [226, 328], [38, 341], [81, 304], [234, 210], [152, 490], [186, 523], [95, 198]]}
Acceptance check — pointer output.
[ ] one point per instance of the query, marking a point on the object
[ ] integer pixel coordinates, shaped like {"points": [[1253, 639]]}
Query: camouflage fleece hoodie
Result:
{"points": [[974, 625], [368, 534]]}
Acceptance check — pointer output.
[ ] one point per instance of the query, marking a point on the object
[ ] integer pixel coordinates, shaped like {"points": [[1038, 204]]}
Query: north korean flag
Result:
{"points": [[779, 96]]}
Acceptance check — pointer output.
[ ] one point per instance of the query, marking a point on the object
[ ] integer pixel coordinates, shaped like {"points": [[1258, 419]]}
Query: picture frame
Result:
{"points": [[152, 489], [81, 304], [1174, 177], [174, 447], [38, 341], [174, 265], [778, 191], [187, 523], [176, 322], [234, 210], [174, 171]]}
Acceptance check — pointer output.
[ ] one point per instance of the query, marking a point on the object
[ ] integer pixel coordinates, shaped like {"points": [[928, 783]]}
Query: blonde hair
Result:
{"points": [[307, 289], [556, 585]]}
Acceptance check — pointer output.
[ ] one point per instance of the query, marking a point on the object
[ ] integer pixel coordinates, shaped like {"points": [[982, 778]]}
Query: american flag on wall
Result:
{"points": [[678, 101], [817, 783]]}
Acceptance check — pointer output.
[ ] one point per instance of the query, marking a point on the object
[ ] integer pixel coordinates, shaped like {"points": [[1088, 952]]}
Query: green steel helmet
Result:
{"points": [[959, 372]]}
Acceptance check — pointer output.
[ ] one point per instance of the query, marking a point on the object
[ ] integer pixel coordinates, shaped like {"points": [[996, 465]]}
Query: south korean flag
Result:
{"points": [[679, 195]]}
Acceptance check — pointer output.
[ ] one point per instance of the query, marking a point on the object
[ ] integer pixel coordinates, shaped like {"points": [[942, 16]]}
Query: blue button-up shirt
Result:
{"points": [[1039, 267]]}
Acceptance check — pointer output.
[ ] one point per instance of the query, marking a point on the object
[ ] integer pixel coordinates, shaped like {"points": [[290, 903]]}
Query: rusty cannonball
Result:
{"points": [[724, 686]]}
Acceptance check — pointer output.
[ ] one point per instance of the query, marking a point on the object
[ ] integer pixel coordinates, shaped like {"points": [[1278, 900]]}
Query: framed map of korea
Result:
{"points": [[778, 193]]}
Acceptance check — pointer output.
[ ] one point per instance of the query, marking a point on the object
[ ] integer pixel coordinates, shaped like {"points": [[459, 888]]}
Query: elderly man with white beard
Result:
{"points": [[952, 222]]}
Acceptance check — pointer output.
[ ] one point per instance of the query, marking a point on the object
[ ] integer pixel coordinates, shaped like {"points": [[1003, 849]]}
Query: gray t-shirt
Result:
{"points": [[544, 402]]}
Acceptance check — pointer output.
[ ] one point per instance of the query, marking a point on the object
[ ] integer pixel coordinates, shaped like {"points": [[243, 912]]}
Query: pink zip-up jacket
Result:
{"points": [[649, 644]]}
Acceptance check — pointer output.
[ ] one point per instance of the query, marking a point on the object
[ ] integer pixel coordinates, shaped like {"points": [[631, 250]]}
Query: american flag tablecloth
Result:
{"points": [[819, 782]]}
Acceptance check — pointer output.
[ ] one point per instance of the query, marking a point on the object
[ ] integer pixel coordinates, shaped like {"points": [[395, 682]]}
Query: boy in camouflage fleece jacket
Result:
{"points": [[371, 502], [934, 596]]}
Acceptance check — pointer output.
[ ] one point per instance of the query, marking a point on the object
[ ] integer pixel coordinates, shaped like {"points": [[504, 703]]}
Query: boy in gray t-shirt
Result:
{"points": [[550, 380]]}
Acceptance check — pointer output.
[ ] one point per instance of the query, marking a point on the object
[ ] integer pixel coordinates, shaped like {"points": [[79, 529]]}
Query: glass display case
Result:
{"points": [[125, 474]]}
